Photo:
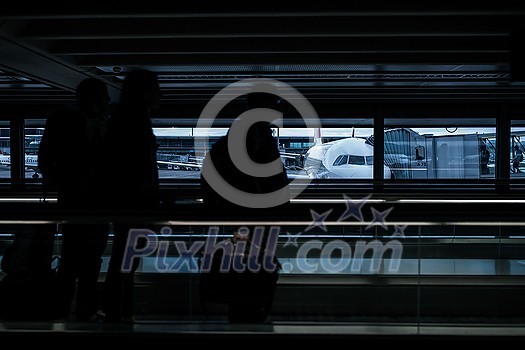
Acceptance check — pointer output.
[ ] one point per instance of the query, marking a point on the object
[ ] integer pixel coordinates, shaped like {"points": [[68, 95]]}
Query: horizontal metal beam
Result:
{"points": [[41, 66]]}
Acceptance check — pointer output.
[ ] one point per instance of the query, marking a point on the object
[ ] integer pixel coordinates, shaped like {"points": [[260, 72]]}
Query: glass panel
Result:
{"points": [[341, 160], [357, 160], [305, 152], [33, 132], [177, 156], [461, 151], [517, 147], [402, 272], [5, 152]]}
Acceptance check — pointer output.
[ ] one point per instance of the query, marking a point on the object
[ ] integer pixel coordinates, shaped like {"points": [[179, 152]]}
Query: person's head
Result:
{"points": [[262, 100], [516, 148], [140, 90], [92, 96]]}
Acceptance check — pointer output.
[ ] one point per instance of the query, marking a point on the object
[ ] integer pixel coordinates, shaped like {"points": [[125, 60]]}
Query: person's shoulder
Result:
{"points": [[220, 144], [63, 115], [64, 111], [220, 148]]}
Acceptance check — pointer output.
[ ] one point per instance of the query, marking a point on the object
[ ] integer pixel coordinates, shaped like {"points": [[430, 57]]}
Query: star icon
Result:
{"points": [[353, 208], [318, 219], [399, 231], [291, 239], [379, 218]]}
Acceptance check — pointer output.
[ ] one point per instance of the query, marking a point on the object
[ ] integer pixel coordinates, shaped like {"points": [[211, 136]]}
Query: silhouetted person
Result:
{"points": [[261, 147], [133, 188], [252, 292], [517, 159], [70, 162], [484, 159]]}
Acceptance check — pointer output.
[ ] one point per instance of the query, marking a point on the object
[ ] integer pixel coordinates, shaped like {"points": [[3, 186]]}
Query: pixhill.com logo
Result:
{"points": [[257, 250]]}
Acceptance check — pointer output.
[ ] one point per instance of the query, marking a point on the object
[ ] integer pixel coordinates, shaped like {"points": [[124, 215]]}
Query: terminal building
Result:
{"points": [[407, 215]]}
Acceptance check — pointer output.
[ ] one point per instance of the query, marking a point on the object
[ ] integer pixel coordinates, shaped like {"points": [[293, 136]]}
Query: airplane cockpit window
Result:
{"points": [[356, 160], [353, 160], [341, 160]]}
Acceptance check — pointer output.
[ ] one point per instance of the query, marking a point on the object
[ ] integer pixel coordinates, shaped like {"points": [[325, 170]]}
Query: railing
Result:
{"points": [[417, 259]]}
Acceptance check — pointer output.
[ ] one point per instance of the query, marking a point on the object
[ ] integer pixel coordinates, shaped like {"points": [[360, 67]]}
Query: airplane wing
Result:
{"points": [[31, 166], [185, 164], [31, 162], [290, 155]]}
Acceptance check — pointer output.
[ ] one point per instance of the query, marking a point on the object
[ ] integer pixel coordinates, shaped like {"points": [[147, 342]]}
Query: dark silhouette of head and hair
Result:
{"points": [[130, 139], [130, 125], [92, 96], [140, 93], [261, 147]]}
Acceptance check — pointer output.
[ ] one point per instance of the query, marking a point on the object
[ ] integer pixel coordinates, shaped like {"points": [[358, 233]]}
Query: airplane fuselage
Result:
{"points": [[345, 158], [30, 161]]}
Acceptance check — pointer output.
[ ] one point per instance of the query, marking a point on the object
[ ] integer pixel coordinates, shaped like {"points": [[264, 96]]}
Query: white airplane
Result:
{"points": [[183, 165], [349, 157], [31, 163]]}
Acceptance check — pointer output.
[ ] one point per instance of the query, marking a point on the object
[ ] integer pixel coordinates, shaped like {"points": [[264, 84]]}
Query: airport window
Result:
{"points": [[517, 149], [180, 151], [5, 150], [303, 153], [33, 131], [465, 149], [30, 150]]}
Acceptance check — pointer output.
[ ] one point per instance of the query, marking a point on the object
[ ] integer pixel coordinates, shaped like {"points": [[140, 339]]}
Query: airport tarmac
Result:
{"points": [[195, 174], [163, 174]]}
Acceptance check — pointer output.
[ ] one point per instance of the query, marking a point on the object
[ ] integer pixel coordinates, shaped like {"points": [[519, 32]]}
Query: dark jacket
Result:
{"points": [[70, 160], [131, 164]]}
